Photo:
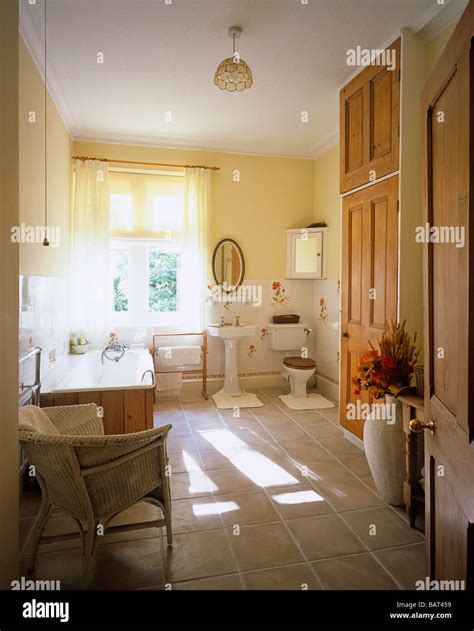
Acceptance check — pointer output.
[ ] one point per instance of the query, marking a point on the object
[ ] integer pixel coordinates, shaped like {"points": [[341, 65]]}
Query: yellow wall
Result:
{"points": [[9, 293], [35, 259], [273, 194], [434, 48], [327, 206]]}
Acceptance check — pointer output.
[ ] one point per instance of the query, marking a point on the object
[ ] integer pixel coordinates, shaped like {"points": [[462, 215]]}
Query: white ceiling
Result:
{"points": [[161, 57]]}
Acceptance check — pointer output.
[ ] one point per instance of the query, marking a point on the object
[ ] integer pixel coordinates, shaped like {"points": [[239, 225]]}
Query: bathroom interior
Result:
{"points": [[188, 279]]}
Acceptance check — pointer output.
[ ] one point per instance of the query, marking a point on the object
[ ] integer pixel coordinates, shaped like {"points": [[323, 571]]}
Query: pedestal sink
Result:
{"points": [[231, 335]]}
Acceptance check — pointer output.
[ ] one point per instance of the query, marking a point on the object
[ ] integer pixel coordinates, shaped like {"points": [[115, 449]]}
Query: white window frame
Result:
{"points": [[138, 313]]}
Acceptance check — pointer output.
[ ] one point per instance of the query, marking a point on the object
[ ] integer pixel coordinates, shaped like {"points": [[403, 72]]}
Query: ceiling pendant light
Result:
{"points": [[233, 74]]}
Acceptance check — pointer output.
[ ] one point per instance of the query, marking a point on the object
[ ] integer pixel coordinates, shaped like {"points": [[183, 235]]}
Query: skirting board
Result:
{"points": [[327, 387]]}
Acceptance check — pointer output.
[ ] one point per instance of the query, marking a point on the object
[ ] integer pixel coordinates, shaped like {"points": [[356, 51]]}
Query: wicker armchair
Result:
{"points": [[90, 476]]}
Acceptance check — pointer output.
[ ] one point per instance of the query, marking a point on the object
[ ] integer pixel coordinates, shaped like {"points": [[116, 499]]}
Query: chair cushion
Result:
{"points": [[302, 363], [33, 419]]}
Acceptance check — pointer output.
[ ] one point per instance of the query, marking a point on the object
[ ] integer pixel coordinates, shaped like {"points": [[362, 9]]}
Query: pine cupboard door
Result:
{"points": [[369, 281], [370, 122], [449, 312]]}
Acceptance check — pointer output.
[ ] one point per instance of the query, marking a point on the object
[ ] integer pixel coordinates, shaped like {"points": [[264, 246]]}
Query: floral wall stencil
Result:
{"points": [[263, 334], [279, 299], [323, 311], [252, 350]]}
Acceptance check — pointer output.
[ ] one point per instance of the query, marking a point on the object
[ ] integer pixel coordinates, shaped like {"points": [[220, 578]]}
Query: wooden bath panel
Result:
{"points": [[125, 411]]}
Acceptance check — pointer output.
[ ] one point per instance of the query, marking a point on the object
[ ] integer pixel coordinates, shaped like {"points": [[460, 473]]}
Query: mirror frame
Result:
{"points": [[242, 260]]}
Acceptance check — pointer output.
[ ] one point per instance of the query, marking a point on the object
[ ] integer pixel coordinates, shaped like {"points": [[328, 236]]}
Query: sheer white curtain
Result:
{"points": [[90, 251], [194, 260]]}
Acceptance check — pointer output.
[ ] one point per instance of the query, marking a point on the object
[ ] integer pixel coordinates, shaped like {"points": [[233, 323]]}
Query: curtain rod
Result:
{"points": [[155, 164]]}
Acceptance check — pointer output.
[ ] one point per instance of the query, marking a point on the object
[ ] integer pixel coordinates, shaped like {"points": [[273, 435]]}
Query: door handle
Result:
{"points": [[344, 335], [417, 426]]}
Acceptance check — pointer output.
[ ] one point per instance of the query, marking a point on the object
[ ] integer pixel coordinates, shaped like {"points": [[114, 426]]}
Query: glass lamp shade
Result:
{"points": [[232, 76]]}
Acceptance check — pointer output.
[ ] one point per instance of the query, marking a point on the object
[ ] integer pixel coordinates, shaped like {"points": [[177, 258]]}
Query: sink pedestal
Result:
{"points": [[231, 376]]}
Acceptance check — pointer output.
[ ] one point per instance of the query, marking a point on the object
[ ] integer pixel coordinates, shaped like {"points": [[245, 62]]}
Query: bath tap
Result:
{"points": [[118, 348]]}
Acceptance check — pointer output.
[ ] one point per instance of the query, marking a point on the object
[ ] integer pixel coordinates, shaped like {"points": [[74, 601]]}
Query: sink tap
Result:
{"points": [[237, 320], [222, 323]]}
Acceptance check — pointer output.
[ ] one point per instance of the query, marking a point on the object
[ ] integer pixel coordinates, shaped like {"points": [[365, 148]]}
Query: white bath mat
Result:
{"points": [[247, 400], [311, 402]]}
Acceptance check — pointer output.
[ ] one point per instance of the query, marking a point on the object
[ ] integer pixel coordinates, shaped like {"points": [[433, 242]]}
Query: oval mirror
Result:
{"points": [[228, 265]]}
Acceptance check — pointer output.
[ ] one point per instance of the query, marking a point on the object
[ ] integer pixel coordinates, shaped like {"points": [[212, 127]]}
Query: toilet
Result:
{"points": [[292, 338]]}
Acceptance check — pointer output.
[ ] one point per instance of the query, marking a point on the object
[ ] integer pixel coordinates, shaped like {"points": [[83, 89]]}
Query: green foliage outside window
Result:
{"points": [[162, 282]]}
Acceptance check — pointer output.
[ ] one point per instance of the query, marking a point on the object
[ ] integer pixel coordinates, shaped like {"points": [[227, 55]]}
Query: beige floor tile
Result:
{"points": [[229, 582], [275, 392], [294, 577], [301, 501], [272, 451], [167, 406], [359, 572], [290, 434], [268, 409], [174, 417], [199, 555], [324, 430], [357, 464], [198, 404], [262, 546], [329, 470], [193, 515], [183, 461], [185, 485], [324, 536], [251, 437], [332, 414], [203, 425], [370, 483], [175, 444], [405, 564], [341, 447], [223, 481], [205, 414], [180, 428], [246, 508], [244, 423], [307, 417], [214, 459], [390, 530], [305, 452], [350, 495], [64, 566], [230, 414], [276, 420], [128, 565]]}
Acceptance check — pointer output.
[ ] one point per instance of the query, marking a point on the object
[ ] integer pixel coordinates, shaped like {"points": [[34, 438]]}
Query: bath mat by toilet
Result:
{"points": [[311, 402], [247, 400]]}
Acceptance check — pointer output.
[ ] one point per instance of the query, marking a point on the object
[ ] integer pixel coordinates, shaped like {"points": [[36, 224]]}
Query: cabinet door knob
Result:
{"points": [[417, 426]]}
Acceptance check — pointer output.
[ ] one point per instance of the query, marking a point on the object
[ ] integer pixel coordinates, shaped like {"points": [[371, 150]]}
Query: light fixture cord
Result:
{"points": [[45, 241], [233, 46]]}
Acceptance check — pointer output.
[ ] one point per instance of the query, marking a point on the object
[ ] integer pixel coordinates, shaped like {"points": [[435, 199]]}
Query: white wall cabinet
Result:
{"points": [[306, 253]]}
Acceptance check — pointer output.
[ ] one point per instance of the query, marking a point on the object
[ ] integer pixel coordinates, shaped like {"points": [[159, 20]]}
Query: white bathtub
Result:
{"points": [[89, 374]]}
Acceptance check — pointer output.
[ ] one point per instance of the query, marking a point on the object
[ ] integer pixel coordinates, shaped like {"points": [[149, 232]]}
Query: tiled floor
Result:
{"points": [[273, 499]]}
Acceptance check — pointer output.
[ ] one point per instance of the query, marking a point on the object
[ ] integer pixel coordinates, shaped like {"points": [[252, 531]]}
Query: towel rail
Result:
{"points": [[201, 371]]}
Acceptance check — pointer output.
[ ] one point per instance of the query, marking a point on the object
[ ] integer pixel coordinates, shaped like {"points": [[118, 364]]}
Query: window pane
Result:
{"points": [[162, 280], [119, 261]]}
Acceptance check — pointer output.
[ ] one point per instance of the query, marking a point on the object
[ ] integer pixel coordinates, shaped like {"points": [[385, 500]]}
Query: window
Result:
{"points": [[146, 221]]}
